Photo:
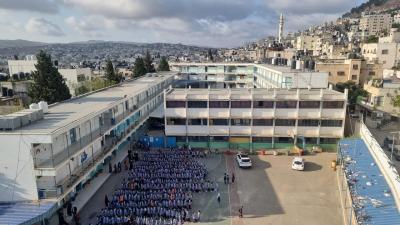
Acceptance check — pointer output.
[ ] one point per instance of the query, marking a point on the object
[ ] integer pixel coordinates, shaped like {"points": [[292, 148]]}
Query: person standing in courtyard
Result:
{"points": [[233, 178], [219, 198], [241, 212], [227, 178], [106, 201]]}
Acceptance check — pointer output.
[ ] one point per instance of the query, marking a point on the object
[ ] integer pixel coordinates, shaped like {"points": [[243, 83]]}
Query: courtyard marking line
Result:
{"points": [[229, 192]]}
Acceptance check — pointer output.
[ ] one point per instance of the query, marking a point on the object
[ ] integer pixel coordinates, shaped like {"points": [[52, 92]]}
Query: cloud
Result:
{"points": [[43, 27], [310, 6], [45, 6], [146, 9]]}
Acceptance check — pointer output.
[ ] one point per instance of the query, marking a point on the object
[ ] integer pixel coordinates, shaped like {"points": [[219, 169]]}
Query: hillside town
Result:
{"points": [[299, 127]]}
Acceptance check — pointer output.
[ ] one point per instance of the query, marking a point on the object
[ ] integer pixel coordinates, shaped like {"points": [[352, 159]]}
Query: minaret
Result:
{"points": [[281, 23]]}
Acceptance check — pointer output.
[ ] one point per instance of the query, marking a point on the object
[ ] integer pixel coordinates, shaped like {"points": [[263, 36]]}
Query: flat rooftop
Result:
{"points": [[253, 93], [283, 69], [67, 112]]}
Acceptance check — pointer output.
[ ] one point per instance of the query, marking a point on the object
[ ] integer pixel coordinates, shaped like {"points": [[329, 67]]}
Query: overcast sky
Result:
{"points": [[218, 23]]}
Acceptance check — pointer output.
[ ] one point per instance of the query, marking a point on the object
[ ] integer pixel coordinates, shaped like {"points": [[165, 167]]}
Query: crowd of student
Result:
{"points": [[158, 189]]}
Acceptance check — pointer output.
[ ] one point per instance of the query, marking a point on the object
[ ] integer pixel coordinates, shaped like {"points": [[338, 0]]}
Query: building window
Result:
{"points": [[198, 138], [311, 141], [354, 77], [240, 122], [81, 78], [72, 135], [309, 104], [197, 122], [286, 104], [331, 123], [385, 51], [355, 67], [378, 101], [371, 73], [328, 140], [341, 73], [219, 104], [197, 104], [308, 123], [219, 138], [285, 123], [219, 122], [241, 104], [284, 140], [176, 104], [333, 105], [180, 138], [263, 104], [176, 121], [262, 122], [262, 139]]}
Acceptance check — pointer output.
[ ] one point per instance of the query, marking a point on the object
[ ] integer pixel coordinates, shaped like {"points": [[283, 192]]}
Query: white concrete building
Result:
{"points": [[24, 66], [74, 77], [52, 158], [386, 51], [255, 118], [252, 75]]}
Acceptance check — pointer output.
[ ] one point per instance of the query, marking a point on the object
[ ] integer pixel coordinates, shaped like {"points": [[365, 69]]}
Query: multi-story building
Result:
{"points": [[53, 156], [255, 118], [382, 93], [252, 75], [376, 23], [343, 70], [306, 42]]}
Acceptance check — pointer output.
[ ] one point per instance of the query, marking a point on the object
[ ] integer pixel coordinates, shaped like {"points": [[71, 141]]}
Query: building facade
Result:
{"points": [[55, 156], [376, 23], [255, 118], [252, 75]]}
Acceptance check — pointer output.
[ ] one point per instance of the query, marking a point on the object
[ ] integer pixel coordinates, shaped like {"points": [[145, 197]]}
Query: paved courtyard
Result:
{"points": [[270, 192]]}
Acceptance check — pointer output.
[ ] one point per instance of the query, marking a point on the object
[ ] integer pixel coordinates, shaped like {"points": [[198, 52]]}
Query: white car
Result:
{"points": [[243, 160], [298, 164]]}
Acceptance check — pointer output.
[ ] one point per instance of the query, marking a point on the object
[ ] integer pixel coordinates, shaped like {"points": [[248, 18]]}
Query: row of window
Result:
{"points": [[256, 122], [256, 104], [281, 140]]}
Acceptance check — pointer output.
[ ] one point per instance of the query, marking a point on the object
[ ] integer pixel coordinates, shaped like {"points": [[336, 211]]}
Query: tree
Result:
{"points": [[110, 73], [163, 66], [372, 39], [148, 63], [210, 55], [48, 83], [355, 91], [139, 69]]}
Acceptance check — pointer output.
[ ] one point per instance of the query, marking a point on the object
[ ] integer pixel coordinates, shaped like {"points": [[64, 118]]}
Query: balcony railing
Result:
{"points": [[86, 140]]}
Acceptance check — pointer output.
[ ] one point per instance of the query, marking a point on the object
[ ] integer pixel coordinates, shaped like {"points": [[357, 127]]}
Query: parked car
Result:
{"points": [[298, 163], [243, 161]]}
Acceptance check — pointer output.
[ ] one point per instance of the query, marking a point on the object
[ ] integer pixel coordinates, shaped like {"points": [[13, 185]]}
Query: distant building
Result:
{"points": [[396, 18], [386, 51], [75, 77], [16, 67], [381, 93], [376, 23], [249, 75], [343, 70], [306, 42]]}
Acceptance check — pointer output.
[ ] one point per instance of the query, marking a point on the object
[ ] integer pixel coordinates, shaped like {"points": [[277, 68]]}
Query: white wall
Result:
{"points": [[17, 176]]}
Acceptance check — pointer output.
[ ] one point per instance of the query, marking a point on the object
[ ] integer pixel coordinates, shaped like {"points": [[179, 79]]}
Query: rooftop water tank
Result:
{"points": [[33, 106], [43, 106]]}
